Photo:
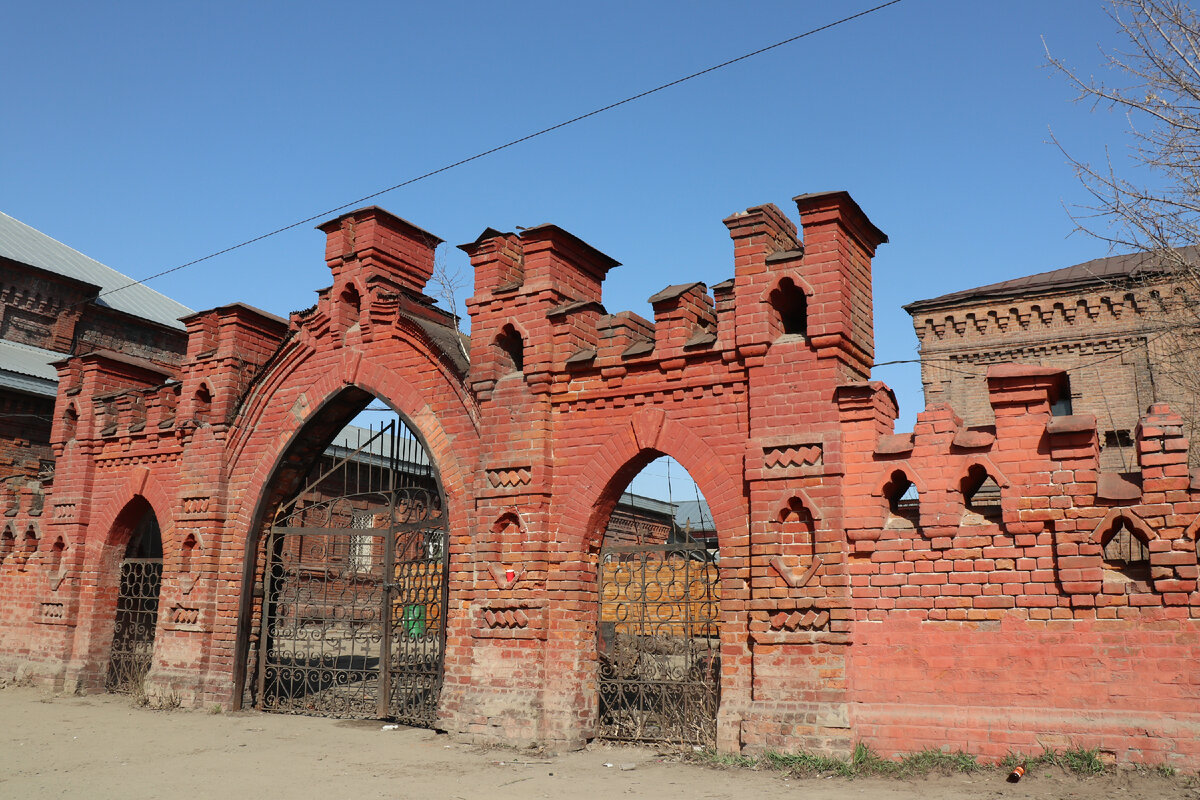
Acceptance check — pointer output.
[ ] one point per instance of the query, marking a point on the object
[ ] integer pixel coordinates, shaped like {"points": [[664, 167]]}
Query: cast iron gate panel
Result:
{"points": [[355, 597], [137, 617], [659, 645]]}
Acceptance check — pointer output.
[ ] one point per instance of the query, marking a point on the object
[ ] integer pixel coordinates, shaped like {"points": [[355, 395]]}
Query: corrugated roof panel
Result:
{"points": [[26, 359], [24, 383], [27, 245], [27, 369]]}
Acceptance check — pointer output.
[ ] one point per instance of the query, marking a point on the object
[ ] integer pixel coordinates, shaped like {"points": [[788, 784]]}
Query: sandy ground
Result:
{"points": [[102, 747]]}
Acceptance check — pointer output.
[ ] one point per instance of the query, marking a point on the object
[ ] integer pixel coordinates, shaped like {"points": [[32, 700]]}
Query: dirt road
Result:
{"points": [[101, 747]]}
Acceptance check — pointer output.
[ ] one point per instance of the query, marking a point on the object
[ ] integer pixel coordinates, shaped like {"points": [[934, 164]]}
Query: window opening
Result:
{"points": [[791, 304], [512, 350], [981, 494], [1121, 438], [904, 501], [1125, 553]]}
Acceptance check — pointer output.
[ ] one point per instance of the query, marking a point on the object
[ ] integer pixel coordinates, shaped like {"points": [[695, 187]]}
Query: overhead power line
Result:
{"points": [[506, 145]]}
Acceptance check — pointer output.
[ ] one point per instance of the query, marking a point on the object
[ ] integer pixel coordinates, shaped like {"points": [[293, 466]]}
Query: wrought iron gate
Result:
{"points": [[137, 609], [354, 590], [659, 644]]}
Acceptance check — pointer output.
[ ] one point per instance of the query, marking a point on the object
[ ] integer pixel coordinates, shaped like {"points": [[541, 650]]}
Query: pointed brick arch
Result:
{"points": [[140, 484], [1109, 521], [630, 446], [402, 369]]}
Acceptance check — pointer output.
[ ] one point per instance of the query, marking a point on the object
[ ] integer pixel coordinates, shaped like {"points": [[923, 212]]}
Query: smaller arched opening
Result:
{"points": [[510, 351], [202, 404], [29, 544], [70, 423], [903, 501], [57, 552], [186, 552], [790, 304], [352, 299], [349, 306], [981, 497], [8, 543], [1126, 553], [136, 617]]}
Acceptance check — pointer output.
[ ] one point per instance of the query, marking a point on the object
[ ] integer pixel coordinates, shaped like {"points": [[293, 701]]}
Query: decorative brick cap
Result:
{"points": [[574, 305], [582, 253], [1074, 423], [383, 217], [488, 234], [894, 445], [1118, 487], [971, 438], [837, 205], [378, 238], [1160, 415], [672, 292], [1004, 378], [240, 309]]}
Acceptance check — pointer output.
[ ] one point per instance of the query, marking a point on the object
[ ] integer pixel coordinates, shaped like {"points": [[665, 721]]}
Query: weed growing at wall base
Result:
{"points": [[865, 762]]}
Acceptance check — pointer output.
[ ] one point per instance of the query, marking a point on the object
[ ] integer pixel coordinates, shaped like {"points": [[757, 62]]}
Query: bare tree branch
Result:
{"points": [[1148, 200]]}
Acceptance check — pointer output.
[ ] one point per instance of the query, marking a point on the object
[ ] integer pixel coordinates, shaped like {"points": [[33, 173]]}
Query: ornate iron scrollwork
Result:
{"points": [[659, 646], [355, 594]]}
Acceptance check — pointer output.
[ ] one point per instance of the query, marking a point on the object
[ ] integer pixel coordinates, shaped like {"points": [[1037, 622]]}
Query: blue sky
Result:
{"points": [[149, 134]]}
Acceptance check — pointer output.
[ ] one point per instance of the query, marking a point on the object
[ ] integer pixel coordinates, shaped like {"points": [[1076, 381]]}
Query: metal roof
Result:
{"points": [[27, 368], [27, 245], [1098, 270], [694, 516]]}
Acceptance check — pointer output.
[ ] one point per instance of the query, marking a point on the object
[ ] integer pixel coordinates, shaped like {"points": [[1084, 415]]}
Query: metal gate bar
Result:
{"points": [[355, 591], [137, 617], [659, 645]]}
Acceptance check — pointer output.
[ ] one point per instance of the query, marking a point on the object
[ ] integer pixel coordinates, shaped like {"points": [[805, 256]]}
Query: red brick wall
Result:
{"points": [[840, 621]]}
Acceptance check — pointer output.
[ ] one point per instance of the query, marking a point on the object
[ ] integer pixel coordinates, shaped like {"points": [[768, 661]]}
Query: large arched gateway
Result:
{"points": [[351, 578]]}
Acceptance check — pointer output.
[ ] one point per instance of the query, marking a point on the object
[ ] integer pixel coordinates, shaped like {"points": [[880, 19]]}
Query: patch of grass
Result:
{"points": [[809, 764], [865, 762], [1083, 762], [1076, 760], [930, 760]]}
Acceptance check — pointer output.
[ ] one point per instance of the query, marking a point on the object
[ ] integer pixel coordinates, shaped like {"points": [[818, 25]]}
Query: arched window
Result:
{"points": [[791, 304], [29, 544], [70, 423], [8, 543], [1126, 552], [352, 300], [511, 347], [56, 555], [904, 502], [202, 404], [185, 553], [981, 494]]}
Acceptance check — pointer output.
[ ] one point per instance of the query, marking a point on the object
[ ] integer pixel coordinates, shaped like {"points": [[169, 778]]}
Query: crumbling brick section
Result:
{"points": [[952, 585]]}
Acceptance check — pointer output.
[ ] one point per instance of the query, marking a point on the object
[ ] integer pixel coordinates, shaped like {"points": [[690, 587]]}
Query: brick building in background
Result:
{"points": [[56, 302], [1114, 324]]}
